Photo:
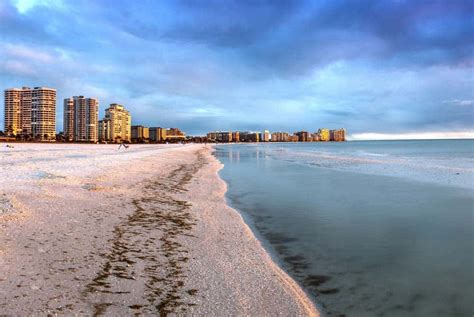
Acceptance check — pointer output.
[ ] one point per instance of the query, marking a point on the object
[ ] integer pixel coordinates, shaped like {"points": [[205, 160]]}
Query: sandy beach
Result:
{"points": [[93, 230]]}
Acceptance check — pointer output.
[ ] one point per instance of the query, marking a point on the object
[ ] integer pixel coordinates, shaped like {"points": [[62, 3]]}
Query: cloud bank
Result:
{"points": [[391, 67]]}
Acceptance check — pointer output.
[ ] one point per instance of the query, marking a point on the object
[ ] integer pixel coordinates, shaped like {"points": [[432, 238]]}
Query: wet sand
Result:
{"points": [[88, 229]]}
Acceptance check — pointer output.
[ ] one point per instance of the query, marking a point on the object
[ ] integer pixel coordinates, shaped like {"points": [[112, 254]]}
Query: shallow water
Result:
{"points": [[391, 236]]}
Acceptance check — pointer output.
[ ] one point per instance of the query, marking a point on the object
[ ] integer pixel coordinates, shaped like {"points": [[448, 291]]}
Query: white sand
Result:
{"points": [[88, 229]]}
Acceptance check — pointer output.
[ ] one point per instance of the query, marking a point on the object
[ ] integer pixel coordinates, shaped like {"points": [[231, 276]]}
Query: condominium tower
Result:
{"points": [[18, 111], [43, 113], [81, 116], [116, 125], [31, 112]]}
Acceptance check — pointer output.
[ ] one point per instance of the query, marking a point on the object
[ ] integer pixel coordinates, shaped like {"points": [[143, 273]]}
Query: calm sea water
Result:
{"points": [[381, 228]]}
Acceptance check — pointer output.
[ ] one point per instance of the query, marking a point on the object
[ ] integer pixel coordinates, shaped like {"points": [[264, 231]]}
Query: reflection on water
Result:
{"points": [[361, 244]]}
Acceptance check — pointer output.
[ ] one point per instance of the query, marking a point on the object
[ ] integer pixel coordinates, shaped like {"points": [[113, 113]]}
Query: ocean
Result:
{"points": [[368, 228]]}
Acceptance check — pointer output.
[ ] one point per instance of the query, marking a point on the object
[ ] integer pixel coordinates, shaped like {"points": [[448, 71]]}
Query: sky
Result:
{"points": [[376, 68]]}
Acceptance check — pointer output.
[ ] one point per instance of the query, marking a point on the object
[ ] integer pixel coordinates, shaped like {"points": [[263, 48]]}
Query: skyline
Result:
{"points": [[376, 68]]}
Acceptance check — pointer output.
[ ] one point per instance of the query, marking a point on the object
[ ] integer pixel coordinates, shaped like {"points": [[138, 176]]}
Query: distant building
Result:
{"points": [[220, 136], [212, 136], [236, 136], [338, 135], [224, 137], [293, 138], [265, 136], [315, 137], [324, 135], [303, 136], [116, 125], [198, 139], [249, 136], [157, 134], [140, 134], [175, 135], [279, 137], [81, 119]]}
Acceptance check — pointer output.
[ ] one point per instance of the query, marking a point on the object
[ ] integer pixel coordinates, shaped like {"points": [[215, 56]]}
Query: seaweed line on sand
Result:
{"points": [[146, 262], [11, 209]]}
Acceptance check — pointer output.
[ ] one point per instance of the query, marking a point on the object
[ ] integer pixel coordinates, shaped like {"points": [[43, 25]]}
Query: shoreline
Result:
{"points": [[141, 231], [304, 304]]}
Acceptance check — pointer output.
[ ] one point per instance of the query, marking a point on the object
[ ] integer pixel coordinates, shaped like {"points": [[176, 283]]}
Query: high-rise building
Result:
{"points": [[157, 134], [293, 138], [81, 116], [315, 137], [43, 113], [324, 135], [249, 136], [279, 137], [104, 130], [68, 119], [18, 111], [26, 111], [236, 136], [212, 136], [12, 111], [264, 136], [220, 136], [338, 135], [303, 136], [116, 125]]}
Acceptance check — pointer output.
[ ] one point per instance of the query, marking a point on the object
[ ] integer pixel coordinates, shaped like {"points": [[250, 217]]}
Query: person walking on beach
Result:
{"points": [[124, 145]]}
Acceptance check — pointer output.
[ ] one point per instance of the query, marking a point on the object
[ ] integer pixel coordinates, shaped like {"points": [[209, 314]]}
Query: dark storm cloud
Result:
{"points": [[294, 36]]}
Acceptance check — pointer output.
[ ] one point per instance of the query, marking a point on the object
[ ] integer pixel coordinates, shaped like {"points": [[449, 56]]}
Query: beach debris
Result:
{"points": [[46, 175], [9, 146], [10, 208], [89, 187], [146, 249], [6, 207]]}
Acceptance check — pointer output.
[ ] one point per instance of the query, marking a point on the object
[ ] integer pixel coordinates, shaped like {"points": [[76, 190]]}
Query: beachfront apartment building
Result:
{"points": [[303, 136], [116, 125], [17, 111], [157, 134], [140, 133], [212, 136], [324, 135], [31, 112], [236, 136], [81, 119], [293, 138], [338, 135], [315, 137], [279, 137], [265, 136], [249, 136], [43, 113], [220, 136], [12, 111], [68, 119], [175, 135]]}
